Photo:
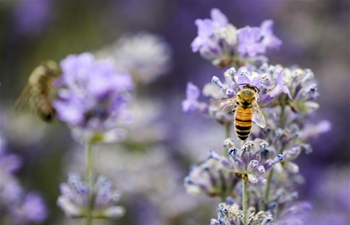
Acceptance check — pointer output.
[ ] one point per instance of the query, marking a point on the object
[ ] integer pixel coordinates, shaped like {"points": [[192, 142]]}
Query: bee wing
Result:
{"points": [[258, 116], [227, 105], [23, 98]]}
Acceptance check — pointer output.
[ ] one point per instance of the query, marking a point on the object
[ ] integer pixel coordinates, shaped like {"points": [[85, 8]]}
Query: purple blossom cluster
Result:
{"points": [[287, 98], [16, 206], [263, 176], [93, 98], [250, 163], [212, 177], [229, 213], [75, 194], [223, 44], [296, 86]]}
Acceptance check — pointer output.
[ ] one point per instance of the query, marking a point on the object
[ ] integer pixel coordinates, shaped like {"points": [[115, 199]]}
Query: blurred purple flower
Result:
{"points": [[295, 213], [16, 207], [312, 131], [205, 30], [219, 19], [144, 55], [92, 97], [207, 27], [31, 17], [8, 163], [250, 41], [32, 209], [269, 39], [191, 102]]}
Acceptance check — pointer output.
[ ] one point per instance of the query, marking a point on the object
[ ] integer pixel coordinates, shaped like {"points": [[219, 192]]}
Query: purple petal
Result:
{"points": [[280, 78], [218, 18], [187, 106], [243, 34], [205, 27], [276, 91], [196, 44], [243, 80], [256, 81], [34, 208], [267, 26], [324, 126], [270, 40], [286, 90], [9, 163], [256, 34], [192, 91]]}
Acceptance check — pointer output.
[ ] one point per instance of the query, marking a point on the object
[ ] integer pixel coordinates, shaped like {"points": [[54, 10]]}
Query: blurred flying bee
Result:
{"points": [[39, 91], [245, 108]]}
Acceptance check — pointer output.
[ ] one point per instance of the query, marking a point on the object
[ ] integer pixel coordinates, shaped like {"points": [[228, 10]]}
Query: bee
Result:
{"points": [[245, 108], [39, 91]]}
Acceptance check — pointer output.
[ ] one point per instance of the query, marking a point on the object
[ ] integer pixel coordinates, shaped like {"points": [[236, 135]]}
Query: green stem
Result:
{"points": [[245, 201], [283, 99], [282, 117], [223, 197], [227, 130], [280, 125], [227, 135], [268, 185], [89, 179]]}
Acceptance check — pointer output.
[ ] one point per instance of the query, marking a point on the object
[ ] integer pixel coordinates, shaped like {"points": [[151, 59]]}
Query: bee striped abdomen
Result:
{"points": [[243, 122]]}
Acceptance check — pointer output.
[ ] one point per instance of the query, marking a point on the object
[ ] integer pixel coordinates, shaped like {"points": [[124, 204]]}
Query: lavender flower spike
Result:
{"points": [[92, 98], [75, 194]]}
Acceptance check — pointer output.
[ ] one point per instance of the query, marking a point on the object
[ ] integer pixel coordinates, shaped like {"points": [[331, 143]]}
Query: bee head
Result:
{"points": [[247, 95], [246, 85]]}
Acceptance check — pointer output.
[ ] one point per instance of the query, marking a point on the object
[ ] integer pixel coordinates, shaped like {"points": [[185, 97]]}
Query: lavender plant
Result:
{"points": [[95, 110], [257, 178], [223, 44], [16, 206]]}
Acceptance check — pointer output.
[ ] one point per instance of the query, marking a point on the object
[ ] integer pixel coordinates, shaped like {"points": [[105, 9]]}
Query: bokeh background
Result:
{"points": [[150, 170]]}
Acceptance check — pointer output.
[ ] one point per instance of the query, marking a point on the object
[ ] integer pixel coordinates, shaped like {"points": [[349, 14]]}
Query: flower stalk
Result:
{"points": [[269, 179], [245, 201], [268, 185], [227, 135], [89, 179]]}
